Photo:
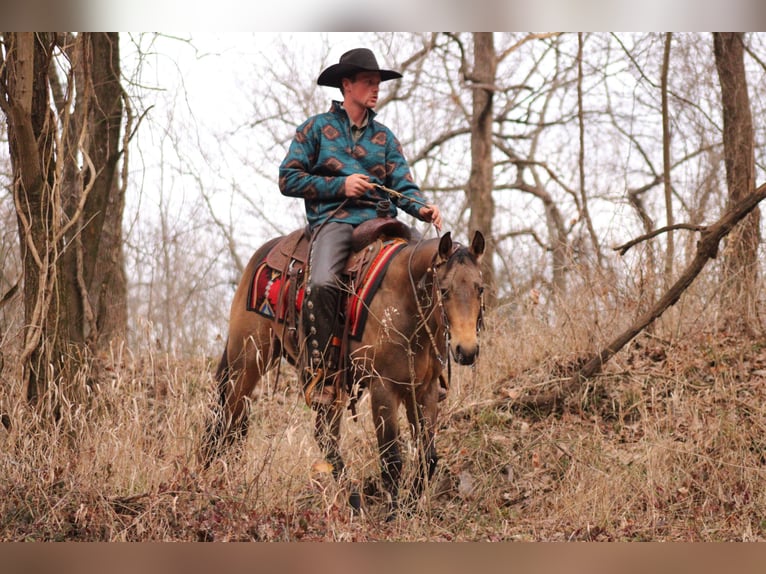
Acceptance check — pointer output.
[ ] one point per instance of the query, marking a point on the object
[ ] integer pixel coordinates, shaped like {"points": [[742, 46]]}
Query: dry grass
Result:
{"points": [[668, 444]]}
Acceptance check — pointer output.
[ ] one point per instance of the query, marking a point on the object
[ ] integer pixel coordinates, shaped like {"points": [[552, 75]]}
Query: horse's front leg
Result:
{"points": [[421, 414], [384, 409], [327, 435]]}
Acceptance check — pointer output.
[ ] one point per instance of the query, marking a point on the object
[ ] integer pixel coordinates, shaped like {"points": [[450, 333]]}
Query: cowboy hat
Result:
{"points": [[353, 61]]}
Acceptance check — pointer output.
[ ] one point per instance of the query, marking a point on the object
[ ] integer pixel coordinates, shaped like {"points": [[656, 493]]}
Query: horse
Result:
{"points": [[429, 303]]}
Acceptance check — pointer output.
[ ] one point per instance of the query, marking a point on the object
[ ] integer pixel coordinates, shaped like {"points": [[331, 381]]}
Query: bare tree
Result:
{"points": [[66, 193], [670, 249], [536, 177], [581, 157], [482, 80], [683, 163], [740, 270]]}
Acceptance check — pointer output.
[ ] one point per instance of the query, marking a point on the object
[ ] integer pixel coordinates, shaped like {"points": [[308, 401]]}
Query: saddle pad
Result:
{"points": [[264, 292], [360, 299], [268, 284]]}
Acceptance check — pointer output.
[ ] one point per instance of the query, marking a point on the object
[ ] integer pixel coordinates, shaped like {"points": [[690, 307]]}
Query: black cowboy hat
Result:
{"points": [[353, 61]]}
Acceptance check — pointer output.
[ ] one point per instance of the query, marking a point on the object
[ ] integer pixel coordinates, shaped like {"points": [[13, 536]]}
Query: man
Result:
{"points": [[334, 163]]}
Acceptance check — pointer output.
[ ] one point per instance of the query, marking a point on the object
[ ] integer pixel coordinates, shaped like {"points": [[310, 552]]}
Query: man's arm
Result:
{"points": [[296, 173], [400, 179]]}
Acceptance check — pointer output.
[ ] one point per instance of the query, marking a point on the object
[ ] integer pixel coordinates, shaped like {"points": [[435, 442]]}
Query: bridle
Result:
{"points": [[436, 303]]}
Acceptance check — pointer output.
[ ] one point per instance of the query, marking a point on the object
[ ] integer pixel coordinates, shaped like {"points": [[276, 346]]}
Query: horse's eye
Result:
{"points": [[480, 289], [444, 293]]}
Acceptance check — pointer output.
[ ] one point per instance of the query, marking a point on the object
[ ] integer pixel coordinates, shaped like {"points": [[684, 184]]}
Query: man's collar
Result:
{"points": [[338, 108]]}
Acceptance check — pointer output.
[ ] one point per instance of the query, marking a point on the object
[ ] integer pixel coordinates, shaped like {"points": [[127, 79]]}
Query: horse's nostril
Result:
{"points": [[464, 357]]}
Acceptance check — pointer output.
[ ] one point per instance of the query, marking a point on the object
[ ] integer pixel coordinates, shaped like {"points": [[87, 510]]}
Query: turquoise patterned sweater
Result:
{"points": [[323, 153]]}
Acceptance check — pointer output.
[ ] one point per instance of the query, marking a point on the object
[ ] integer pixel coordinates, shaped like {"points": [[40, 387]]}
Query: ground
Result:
{"points": [[667, 444]]}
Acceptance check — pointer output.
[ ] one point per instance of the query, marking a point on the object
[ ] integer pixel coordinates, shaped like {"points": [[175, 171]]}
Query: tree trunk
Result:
{"points": [[66, 197], [480, 182], [666, 163], [740, 261], [25, 103], [103, 301], [581, 157]]}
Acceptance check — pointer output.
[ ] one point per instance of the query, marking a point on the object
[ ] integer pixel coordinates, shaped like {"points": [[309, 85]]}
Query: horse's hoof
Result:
{"points": [[355, 500]]}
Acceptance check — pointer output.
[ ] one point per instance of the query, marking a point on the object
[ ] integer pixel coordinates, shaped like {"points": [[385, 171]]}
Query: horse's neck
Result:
{"points": [[429, 330], [422, 257], [421, 268]]}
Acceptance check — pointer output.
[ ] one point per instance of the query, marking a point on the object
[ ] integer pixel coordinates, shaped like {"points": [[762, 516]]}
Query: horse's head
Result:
{"points": [[459, 283]]}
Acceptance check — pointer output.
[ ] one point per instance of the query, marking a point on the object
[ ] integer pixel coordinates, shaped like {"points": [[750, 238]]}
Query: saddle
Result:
{"points": [[291, 248], [294, 248], [277, 287]]}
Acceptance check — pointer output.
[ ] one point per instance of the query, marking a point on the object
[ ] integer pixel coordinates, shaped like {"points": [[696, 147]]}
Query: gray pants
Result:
{"points": [[329, 252]]}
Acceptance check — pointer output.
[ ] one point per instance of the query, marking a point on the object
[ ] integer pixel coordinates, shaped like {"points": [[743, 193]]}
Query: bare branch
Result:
{"points": [[623, 249], [522, 232], [528, 38], [8, 295], [707, 248]]}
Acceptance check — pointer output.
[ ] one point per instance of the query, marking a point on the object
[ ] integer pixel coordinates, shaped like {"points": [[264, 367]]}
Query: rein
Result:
{"points": [[435, 291], [437, 300], [399, 195]]}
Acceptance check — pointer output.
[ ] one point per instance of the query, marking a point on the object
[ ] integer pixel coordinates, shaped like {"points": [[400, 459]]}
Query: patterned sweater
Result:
{"points": [[323, 153]]}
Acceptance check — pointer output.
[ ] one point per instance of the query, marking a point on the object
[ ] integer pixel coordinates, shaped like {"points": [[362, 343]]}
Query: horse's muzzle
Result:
{"points": [[465, 356]]}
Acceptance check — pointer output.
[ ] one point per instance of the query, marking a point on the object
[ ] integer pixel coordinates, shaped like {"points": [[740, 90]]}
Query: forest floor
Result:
{"points": [[667, 444]]}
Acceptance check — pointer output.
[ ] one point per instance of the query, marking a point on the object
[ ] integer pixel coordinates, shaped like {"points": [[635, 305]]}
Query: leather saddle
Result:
{"points": [[289, 257], [293, 249]]}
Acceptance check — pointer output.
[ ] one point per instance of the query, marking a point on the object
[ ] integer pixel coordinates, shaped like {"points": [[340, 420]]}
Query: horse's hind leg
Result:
{"points": [[327, 434], [236, 380]]}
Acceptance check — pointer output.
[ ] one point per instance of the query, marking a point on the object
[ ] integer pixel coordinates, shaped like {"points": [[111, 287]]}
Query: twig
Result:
{"points": [[8, 295]]}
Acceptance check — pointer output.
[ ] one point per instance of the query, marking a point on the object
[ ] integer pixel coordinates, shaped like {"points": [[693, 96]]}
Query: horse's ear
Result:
{"points": [[477, 245], [445, 246]]}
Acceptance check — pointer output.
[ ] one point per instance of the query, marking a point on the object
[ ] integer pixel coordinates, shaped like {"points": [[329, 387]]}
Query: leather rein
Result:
{"points": [[435, 302]]}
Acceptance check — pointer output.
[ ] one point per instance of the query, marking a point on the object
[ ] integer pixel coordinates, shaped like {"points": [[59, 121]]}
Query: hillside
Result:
{"points": [[667, 444]]}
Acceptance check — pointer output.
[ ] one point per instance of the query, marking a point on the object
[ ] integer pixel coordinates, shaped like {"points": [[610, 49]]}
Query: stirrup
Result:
{"points": [[323, 395]]}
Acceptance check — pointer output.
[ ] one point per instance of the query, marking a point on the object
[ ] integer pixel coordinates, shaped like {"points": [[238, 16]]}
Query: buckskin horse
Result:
{"points": [[427, 304]]}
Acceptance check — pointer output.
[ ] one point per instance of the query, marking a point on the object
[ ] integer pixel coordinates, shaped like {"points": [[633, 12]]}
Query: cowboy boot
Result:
{"points": [[320, 364]]}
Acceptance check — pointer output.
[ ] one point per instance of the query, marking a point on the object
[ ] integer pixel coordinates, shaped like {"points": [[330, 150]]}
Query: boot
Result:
{"points": [[320, 363]]}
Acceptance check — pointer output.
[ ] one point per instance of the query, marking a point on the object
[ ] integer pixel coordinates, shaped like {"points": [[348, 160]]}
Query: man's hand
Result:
{"points": [[432, 214], [356, 185]]}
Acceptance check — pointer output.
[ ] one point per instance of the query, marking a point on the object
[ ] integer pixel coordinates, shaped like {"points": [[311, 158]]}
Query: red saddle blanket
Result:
{"points": [[269, 290]]}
